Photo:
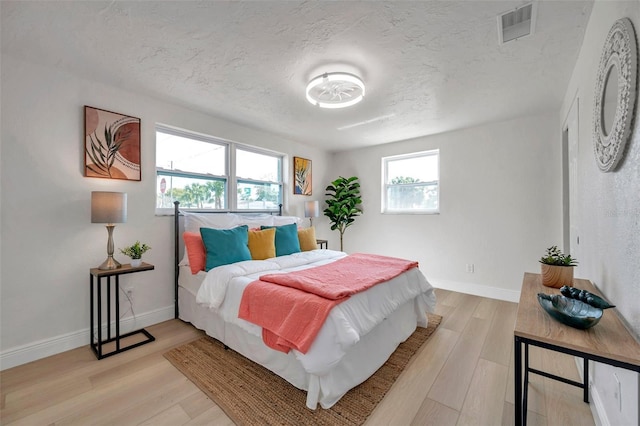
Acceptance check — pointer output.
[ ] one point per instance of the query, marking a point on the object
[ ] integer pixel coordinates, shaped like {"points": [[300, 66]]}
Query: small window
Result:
{"points": [[410, 183], [197, 170]]}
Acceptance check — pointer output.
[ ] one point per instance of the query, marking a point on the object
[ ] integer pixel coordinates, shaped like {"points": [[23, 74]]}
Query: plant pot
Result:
{"points": [[556, 276], [136, 262]]}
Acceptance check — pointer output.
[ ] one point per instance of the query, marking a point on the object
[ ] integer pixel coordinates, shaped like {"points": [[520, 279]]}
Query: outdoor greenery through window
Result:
{"points": [[411, 183], [202, 172]]}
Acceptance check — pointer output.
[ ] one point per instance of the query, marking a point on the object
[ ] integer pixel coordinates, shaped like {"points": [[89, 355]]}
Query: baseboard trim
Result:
{"points": [[478, 290], [595, 402], [43, 348], [597, 408]]}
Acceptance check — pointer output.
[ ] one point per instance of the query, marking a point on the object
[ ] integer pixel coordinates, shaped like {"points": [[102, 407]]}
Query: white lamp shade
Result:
{"points": [[311, 209], [108, 207]]}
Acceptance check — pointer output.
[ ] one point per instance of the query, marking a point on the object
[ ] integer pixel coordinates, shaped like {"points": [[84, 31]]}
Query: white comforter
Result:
{"points": [[223, 286]]}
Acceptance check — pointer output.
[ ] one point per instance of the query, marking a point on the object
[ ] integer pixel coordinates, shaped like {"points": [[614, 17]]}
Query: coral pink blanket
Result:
{"points": [[292, 312]]}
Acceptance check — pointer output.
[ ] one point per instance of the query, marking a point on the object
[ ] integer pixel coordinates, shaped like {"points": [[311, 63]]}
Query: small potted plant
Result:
{"points": [[557, 268], [135, 252]]}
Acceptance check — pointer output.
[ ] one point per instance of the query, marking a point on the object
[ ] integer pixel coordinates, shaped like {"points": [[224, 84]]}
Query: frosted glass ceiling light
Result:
{"points": [[335, 90]]}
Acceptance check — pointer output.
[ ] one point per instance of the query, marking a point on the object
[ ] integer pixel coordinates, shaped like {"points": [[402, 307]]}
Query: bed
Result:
{"points": [[357, 337]]}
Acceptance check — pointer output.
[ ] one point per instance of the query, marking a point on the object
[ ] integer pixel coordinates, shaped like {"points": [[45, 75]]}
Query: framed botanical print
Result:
{"points": [[112, 145], [301, 176]]}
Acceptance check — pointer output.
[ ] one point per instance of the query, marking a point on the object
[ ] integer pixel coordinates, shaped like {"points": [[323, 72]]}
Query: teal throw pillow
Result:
{"points": [[286, 239], [225, 246]]}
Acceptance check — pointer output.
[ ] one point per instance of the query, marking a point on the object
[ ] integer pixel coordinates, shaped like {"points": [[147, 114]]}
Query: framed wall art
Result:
{"points": [[301, 176], [112, 145]]}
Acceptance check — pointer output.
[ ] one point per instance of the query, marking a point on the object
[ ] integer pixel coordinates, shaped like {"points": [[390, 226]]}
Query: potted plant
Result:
{"points": [[135, 252], [343, 204], [557, 268]]}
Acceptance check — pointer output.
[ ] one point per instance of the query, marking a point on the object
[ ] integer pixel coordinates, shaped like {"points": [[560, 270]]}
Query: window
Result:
{"points": [[410, 183], [202, 172], [259, 180]]}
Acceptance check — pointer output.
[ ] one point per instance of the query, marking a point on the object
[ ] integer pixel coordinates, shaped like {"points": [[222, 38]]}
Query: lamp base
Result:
{"points": [[109, 264]]}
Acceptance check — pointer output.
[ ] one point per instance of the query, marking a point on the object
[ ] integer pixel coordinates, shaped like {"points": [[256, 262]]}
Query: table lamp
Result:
{"points": [[311, 210], [109, 208]]}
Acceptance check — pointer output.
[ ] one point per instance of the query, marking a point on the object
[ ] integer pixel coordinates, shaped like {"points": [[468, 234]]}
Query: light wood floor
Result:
{"points": [[463, 375]]}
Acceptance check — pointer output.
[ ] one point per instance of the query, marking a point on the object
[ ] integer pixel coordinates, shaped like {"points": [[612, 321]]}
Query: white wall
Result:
{"points": [[48, 243], [609, 211], [500, 205]]}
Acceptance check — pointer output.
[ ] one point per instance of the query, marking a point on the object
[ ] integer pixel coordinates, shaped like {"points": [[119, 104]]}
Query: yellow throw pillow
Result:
{"points": [[307, 238], [262, 244]]}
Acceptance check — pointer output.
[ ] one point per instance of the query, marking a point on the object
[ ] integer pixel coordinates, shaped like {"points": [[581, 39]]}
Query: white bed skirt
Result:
{"points": [[359, 363]]}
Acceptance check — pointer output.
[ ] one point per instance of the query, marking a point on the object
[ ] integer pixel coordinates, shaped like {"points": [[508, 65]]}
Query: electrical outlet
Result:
{"points": [[470, 268]]}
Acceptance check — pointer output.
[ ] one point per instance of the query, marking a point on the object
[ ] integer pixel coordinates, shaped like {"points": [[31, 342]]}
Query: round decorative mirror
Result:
{"points": [[615, 95]]}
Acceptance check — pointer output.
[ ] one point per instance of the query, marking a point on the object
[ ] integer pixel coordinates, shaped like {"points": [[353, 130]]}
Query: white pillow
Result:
{"points": [[256, 221], [194, 221], [285, 220]]}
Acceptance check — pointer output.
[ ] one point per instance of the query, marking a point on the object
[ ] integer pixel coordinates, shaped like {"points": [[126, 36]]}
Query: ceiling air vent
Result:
{"points": [[516, 23]]}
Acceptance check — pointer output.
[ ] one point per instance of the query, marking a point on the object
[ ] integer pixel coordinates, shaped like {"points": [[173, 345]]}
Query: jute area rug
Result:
{"points": [[252, 395]]}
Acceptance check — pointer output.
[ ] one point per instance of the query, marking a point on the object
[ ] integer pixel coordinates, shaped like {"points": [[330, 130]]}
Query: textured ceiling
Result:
{"points": [[429, 66]]}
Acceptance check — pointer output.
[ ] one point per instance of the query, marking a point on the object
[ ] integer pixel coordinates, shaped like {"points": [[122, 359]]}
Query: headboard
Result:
{"points": [[178, 228]]}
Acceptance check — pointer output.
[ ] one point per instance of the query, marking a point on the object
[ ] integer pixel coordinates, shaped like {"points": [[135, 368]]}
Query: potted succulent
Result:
{"points": [[557, 268], [135, 252]]}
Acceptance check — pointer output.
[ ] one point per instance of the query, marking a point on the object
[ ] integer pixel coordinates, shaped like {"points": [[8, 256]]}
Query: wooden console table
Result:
{"points": [[608, 342]]}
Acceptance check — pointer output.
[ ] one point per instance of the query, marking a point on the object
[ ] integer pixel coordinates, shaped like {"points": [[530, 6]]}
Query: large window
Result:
{"points": [[410, 183], [202, 172]]}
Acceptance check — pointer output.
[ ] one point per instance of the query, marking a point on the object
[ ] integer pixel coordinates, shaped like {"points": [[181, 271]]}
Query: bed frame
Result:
{"points": [[178, 227], [325, 389]]}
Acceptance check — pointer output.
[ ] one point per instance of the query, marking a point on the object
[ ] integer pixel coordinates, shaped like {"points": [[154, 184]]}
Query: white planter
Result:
{"points": [[136, 262]]}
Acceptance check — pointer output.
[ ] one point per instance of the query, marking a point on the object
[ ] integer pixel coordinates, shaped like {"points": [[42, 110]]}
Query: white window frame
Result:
{"points": [[385, 185], [230, 178], [236, 179]]}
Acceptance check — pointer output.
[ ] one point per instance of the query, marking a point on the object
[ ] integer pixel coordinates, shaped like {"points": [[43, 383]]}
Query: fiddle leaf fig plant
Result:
{"points": [[343, 204]]}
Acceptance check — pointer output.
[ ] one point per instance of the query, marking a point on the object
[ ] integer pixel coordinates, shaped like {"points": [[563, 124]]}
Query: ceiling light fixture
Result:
{"points": [[335, 90]]}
